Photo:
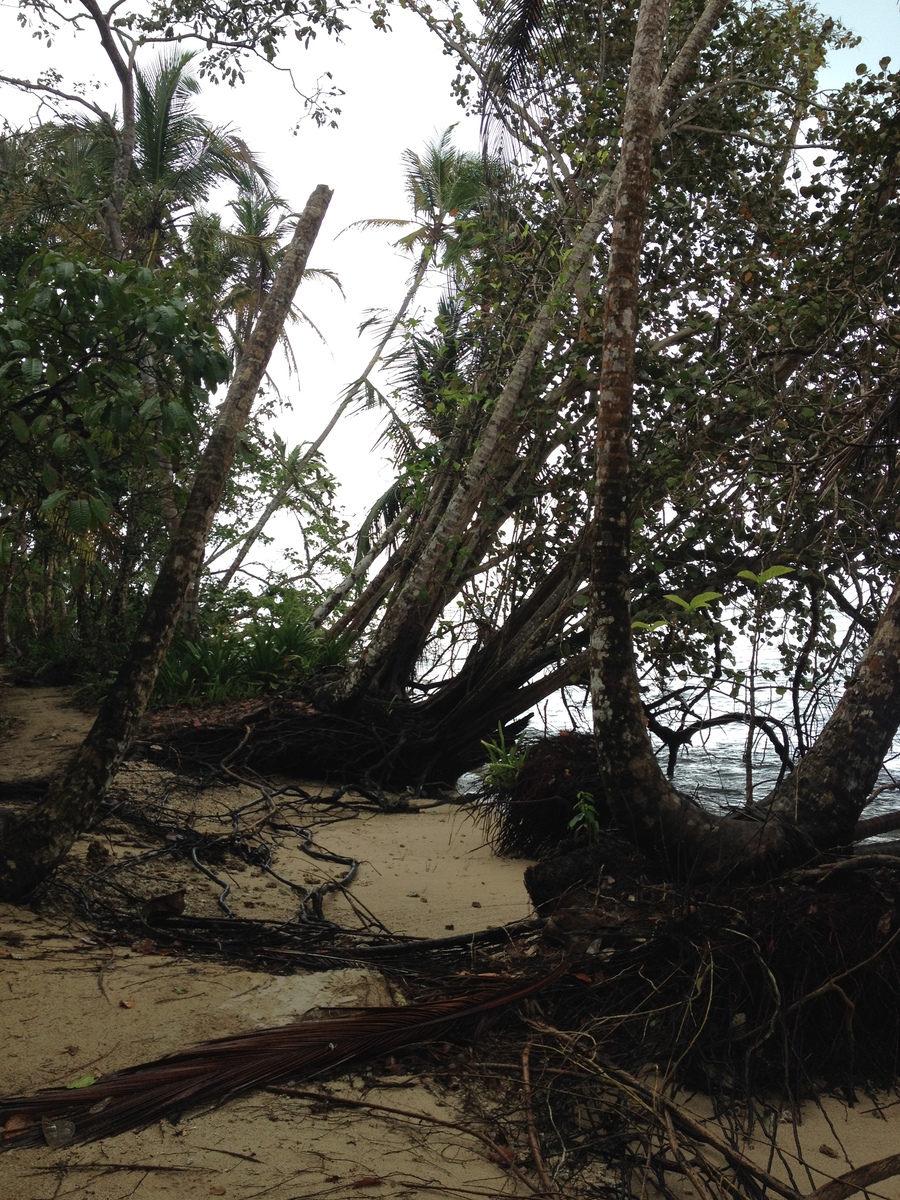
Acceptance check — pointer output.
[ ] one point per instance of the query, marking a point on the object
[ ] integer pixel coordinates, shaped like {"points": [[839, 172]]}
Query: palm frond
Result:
{"points": [[385, 509], [376, 223], [301, 318], [520, 34], [176, 149], [325, 273], [433, 366], [228, 1067], [527, 46]]}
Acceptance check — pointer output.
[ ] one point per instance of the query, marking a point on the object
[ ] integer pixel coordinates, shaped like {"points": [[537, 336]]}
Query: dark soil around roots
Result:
{"points": [[532, 817], [789, 986]]}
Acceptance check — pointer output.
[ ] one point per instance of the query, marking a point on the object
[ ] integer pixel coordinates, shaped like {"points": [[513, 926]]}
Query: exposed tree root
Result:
{"points": [[392, 744], [532, 816]]}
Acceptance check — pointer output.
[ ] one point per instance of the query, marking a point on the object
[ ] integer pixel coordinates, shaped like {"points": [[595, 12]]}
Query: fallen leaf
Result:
{"points": [[83, 1081], [126, 1004], [367, 1181], [828, 1151], [164, 907], [217, 1191]]}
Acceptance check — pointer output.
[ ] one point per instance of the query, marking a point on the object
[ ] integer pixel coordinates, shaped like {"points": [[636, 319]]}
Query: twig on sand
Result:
{"points": [[499, 1153], [533, 1140]]}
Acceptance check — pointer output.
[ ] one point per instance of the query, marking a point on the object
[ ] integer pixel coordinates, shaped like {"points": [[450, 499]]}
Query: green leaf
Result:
{"points": [[174, 418], [83, 1081], [149, 409], [774, 573], [19, 428], [120, 417], [703, 599], [53, 501], [751, 575], [79, 515], [32, 370], [678, 600], [50, 478], [99, 510]]}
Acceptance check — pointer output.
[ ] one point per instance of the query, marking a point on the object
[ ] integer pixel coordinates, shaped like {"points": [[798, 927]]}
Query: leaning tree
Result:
{"points": [[744, 322]]}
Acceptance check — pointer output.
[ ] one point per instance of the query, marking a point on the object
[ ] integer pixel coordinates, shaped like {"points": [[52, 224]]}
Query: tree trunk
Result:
{"points": [[34, 841], [818, 805], [432, 565]]}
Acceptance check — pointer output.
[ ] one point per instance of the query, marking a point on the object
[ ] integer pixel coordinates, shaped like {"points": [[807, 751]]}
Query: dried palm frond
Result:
{"points": [[226, 1067]]}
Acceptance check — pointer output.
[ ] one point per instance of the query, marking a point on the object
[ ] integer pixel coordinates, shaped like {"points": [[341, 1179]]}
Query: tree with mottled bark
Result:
{"points": [[817, 807]]}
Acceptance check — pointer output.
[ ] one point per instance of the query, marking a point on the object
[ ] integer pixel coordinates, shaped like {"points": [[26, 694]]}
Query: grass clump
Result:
{"points": [[266, 655]]}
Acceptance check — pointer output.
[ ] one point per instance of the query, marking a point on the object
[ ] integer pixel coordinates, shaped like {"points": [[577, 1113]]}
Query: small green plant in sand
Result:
{"points": [[504, 762], [585, 822]]}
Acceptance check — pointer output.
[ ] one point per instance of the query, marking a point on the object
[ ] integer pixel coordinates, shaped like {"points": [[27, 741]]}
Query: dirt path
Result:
{"points": [[39, 728]]}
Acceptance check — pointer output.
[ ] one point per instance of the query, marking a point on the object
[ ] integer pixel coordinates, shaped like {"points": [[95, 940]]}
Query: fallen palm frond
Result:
{"points": [[226, 1067]]}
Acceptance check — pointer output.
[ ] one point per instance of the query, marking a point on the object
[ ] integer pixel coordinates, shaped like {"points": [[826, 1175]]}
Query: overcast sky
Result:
{"points": [[397, 95]]}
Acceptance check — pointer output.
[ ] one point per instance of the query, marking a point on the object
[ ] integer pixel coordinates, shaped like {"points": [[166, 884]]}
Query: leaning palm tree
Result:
{"points": [[447, 188]]}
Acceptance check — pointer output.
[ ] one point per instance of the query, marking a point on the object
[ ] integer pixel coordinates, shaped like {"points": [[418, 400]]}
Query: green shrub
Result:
{"points": [[265, 656]]}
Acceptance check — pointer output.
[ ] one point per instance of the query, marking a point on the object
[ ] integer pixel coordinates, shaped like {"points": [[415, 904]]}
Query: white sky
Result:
{"points": [[397, 96]]}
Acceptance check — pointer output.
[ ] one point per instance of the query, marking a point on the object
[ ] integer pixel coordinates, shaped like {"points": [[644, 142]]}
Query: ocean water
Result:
{"points": [[713, 770]]}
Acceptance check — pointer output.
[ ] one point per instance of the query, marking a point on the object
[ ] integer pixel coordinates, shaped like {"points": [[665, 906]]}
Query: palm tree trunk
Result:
{"points": [[34, 842], [412, 604]]}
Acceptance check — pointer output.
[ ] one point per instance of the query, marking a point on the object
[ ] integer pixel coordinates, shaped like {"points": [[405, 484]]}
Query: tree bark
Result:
{"points": [[35, 841], [114, 203], [818, 805], [833, 781]]}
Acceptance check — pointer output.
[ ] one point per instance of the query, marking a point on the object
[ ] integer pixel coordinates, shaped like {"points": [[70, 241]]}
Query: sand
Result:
{"points": [[72, 1005]]}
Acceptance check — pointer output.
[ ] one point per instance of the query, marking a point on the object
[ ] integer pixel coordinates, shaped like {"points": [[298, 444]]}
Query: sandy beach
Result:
{"points": [[75, 1006]]}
